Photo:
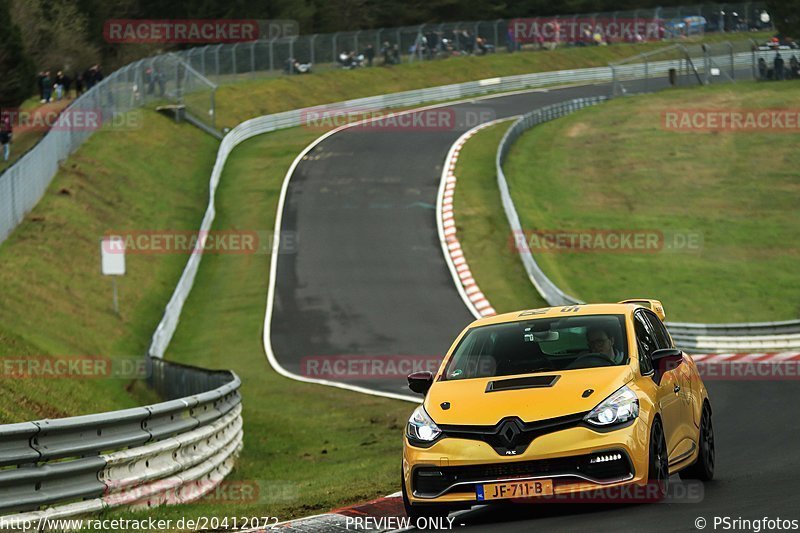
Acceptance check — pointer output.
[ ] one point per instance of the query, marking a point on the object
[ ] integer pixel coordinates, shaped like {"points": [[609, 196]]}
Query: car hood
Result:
{"points": [[471, 404]]}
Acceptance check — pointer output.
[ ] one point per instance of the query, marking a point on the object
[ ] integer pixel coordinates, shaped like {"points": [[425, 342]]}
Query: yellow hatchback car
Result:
{"points": [[555, 402]]}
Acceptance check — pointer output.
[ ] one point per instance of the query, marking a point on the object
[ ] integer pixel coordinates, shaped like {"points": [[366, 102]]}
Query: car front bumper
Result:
{"points": [[449, 470]]}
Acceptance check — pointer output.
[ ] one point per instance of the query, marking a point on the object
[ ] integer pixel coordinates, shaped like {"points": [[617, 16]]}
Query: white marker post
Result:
{"points": [[112, 261]]}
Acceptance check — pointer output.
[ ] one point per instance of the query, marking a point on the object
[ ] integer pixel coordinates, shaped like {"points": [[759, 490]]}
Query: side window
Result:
{"points": [[659, 331], [645, 342]]}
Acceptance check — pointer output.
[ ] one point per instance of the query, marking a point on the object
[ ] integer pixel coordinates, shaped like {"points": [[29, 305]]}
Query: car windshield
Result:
{"points": [[540, 345]]}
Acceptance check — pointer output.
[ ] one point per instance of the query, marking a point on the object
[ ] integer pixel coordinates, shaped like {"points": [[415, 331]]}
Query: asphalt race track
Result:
{"points": [[369, 280]]}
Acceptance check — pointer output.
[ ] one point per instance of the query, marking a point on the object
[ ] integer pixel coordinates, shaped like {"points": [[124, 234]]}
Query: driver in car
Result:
{"points": [[601, 342]]}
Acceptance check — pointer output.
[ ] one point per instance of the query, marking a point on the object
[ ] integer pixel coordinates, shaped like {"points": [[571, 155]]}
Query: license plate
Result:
{"points": [[515, 489]]}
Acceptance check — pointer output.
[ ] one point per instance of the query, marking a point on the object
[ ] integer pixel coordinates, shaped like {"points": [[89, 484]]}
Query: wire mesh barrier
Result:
{"points": [[229, 62], [109, 105], [685, 65], [171, 452]]}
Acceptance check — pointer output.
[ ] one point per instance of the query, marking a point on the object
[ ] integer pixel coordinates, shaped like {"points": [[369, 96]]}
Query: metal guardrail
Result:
{"points": [[143, 456], [696, 337]]}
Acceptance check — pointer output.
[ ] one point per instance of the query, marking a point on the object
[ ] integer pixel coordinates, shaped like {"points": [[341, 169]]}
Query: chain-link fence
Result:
{"points": [[295, 55], [685, 64]]}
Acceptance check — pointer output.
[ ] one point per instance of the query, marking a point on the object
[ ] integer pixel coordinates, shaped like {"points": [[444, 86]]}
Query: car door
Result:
{"points": [[667, 400], [686, 429]]}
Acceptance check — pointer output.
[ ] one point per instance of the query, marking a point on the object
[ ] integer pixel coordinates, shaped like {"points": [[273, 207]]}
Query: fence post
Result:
{"points": [[291, 53], [334, 51], [733, 62], [253, 57], [233, 58], [271, 59]]}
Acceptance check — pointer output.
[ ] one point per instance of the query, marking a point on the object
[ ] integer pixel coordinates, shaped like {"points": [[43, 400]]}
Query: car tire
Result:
{"points": [[658, 462], [429, 510], [703, 467]]}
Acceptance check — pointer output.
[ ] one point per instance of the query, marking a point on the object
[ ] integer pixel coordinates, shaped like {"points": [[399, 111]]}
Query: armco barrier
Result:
{"points": [[698, 338], [142, 456]]}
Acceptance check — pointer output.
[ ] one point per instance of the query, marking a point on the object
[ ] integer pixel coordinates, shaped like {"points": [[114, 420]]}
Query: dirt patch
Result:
{"points": [[577, 130]]}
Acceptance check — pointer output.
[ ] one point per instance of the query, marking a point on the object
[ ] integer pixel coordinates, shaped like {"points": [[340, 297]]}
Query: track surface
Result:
{"points": [[369, 279]]}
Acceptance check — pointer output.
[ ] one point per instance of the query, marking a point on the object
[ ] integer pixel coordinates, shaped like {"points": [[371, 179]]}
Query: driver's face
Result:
{"points": [[599, 342]]}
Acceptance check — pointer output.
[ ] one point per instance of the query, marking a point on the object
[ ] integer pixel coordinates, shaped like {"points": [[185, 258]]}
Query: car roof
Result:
{"points": [[550, 312]]}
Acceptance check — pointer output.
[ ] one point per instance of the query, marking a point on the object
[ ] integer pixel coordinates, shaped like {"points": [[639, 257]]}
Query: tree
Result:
{"points": [[17, 72], [786, 16], [54, 34]]}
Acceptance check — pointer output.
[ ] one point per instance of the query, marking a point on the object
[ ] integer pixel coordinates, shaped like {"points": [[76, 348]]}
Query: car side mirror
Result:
{"points": [[664, 360], [420, 382]]}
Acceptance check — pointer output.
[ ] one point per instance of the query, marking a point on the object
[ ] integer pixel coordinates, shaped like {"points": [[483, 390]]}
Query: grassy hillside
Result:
{"points": [[616, 167]]}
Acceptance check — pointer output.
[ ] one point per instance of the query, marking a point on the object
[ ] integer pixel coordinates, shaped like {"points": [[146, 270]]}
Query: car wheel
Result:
{"points": [[421, 511], [658, 466], [703, 467]]}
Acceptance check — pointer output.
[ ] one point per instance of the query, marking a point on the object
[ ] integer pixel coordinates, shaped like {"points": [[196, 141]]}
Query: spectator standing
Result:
{"points": [[794, 68], [149, 80], [88, 78], [6, 131], [510, 45], [67, 82], [78, 84], [161, 80], [396, 54], [386, 52], [369, 53], [47, 87], [762, 68], [40, 82], [779, 73], [58, 85]]}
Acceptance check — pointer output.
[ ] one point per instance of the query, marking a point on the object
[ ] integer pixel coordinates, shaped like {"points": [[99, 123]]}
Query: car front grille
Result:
{"points": [[512, 436], [429, 481]]}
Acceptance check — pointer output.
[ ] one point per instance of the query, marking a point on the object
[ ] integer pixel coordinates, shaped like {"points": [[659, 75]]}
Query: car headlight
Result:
{"points": [[620, 407], [421, 428]]}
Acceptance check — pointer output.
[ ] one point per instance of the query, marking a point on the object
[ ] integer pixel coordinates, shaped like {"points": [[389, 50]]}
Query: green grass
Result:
{"points": [[615, 167], [55, 302], [324, 447], [482, 227], [245, 99]]}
